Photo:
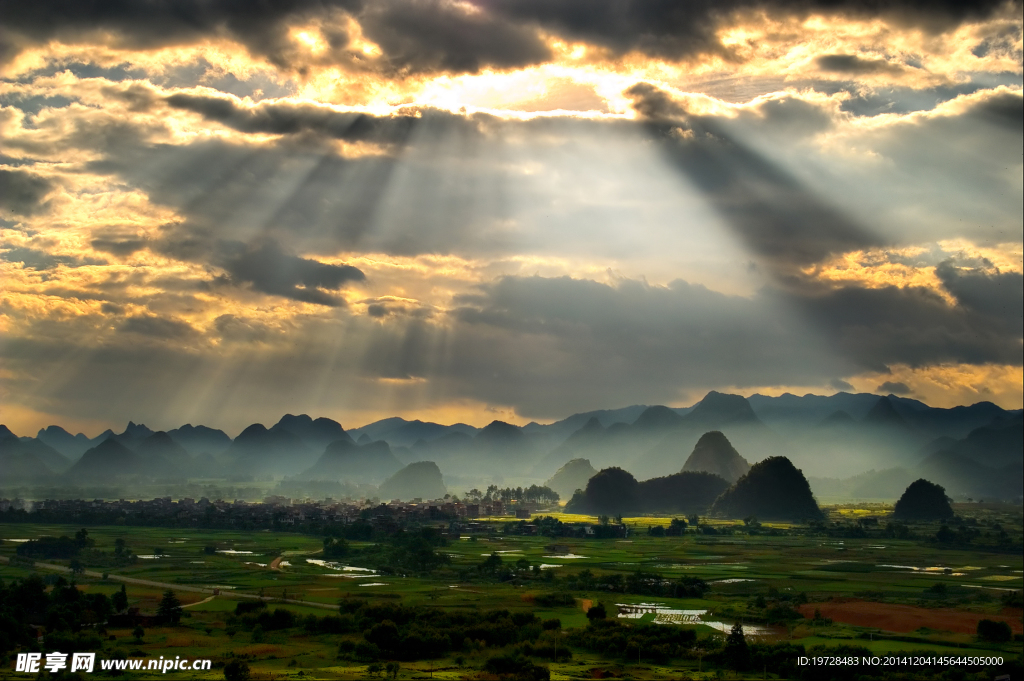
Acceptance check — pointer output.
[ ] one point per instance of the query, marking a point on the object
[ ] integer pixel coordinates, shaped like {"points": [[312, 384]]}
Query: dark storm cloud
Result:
{"points": [[677, 30], [893, 388], [286, 119], [914, 326], [779, 218], [260, 263], [418, 35], [152, 24], [851, 64], [840, 384], [36, 259], [119, 247], [531, 334], [381, 308], [232, 328], [429, 35], [270, 270], [539, 339], [21, 192], [158, 327], [999, 296], [1005, 110]]}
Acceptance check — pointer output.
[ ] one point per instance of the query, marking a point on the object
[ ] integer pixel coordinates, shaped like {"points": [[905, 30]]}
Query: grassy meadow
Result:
{"points": [[900, 578]]}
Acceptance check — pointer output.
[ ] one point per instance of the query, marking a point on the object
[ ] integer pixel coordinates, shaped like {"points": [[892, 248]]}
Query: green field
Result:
{"points": [[779, 563]]}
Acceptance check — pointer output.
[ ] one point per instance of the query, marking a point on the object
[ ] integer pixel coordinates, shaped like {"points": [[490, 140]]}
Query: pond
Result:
{"points": [[664, 614]]}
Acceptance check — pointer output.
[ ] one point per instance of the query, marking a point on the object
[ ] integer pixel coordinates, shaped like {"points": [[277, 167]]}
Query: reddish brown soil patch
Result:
{"points": [[904, 618]]}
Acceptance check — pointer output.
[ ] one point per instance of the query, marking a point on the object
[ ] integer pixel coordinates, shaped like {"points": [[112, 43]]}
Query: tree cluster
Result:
{"points": [[534, 493], [399, 632], [65, 612], [56, 548], [652, 642], [615, 491]]}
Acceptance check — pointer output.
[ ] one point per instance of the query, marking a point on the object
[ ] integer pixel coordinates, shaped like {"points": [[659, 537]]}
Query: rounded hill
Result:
{"points": [[923, 500], [420, 480], [771, 489]]}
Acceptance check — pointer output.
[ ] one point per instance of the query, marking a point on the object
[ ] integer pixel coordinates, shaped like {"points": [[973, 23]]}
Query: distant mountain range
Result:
{"points": [[841, 442]]}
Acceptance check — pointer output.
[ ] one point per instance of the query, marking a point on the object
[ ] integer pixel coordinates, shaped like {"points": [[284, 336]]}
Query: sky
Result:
{"points": [[218, 212]]}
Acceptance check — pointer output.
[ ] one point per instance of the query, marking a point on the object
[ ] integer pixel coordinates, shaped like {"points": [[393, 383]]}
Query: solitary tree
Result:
{"points": [[120, 600], [170, 607], [236, 670], [736, 652], [997, 632]]}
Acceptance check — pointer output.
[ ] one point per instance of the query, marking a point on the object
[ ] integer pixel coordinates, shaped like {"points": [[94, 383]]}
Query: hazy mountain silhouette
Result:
{"points": [[998, 444], [848, 441], [499, 448], [317, 434], [717, 411], [345, 460], [955, 422], [791, 412], [788, 411], [884, 414], [260, 452], [399, 432], [71, 446], [107, 434], [923, 500], [18, 467], [838, 419], [503, 444], [873, 485], [605, 417], [200, 439], [27, 460], [590, 435], [136, 431], [33, 449], [500, 434], [420, 480], [965, 477], [133, 434], [572, 476], [772, 489], [721, 409], [657, 417], [988, 463], [105, 462], [714, 453], [160, 447]]}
